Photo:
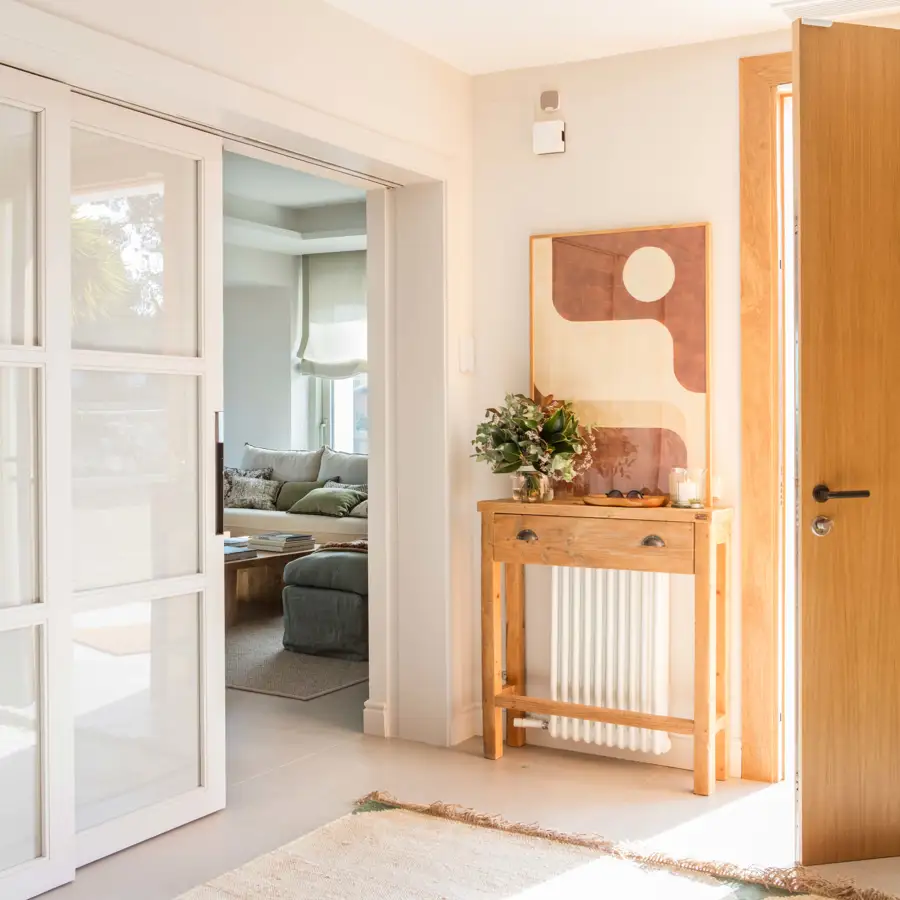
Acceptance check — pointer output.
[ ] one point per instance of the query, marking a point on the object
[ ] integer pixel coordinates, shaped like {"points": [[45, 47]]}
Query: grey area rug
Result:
{"points": [[400, 851], [256, 661]]}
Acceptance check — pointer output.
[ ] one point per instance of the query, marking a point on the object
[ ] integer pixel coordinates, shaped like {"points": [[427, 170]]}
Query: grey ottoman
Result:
{"points": [[326, 605]]}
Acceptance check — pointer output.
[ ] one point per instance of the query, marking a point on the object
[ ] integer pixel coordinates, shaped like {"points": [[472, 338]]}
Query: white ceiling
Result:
{"points": [[490, 35], [254, 179]]}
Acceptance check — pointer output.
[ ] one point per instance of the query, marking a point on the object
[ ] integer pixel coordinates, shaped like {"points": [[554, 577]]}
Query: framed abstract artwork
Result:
{"points": [[619, 326]]}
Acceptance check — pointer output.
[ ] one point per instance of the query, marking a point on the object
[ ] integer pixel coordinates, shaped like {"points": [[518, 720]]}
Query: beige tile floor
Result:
{"points": [[293, 766]]}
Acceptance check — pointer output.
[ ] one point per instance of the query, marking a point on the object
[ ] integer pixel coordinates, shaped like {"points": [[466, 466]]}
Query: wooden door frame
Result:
{"points": [[762, 595]]}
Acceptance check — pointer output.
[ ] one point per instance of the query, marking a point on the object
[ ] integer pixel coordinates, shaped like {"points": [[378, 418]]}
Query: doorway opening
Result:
{"points": [[296, 448]]}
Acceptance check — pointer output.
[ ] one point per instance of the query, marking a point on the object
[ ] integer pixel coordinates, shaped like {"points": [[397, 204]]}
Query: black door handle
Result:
{"points": [[822, 494], [220, 476]]}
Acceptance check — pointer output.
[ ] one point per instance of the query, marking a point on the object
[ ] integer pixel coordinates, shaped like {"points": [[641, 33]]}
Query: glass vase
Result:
{"points": [[529, 486]]}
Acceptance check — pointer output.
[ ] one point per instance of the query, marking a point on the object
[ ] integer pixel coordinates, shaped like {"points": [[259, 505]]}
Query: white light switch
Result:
{"points": [[550, 137]]}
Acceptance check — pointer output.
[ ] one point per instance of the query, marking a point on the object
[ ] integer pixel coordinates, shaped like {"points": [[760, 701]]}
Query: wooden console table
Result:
{"points": [[566, 533]]}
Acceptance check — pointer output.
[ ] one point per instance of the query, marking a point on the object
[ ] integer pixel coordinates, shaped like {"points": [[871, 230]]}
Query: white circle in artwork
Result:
{"points": [[649, 274]]}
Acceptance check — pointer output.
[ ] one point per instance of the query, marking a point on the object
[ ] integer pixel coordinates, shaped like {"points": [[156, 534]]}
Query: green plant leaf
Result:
{"points": [[555, 423], [510, 451]]}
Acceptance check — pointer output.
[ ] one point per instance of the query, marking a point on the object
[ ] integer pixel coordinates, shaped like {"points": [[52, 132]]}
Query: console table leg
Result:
{"points": [[723, 653], [704, 658], [491, 643], [515, 645]]}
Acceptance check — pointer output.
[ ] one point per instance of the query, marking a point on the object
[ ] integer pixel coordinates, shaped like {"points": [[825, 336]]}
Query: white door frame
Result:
{"points": [[380, 709]]}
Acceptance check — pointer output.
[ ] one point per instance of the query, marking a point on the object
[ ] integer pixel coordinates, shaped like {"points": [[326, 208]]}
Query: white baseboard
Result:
{"points": [[375, 719], [465, 724]]}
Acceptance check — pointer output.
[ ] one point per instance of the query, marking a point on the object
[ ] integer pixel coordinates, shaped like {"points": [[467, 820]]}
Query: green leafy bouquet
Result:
{"points": [[544, 436]]}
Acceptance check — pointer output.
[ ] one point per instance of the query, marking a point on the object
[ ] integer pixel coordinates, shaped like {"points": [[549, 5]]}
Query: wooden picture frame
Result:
{"points": [[707, 269]]}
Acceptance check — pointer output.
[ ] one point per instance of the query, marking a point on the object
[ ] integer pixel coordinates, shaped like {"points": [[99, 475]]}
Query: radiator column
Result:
{"points": [[609, 646]]}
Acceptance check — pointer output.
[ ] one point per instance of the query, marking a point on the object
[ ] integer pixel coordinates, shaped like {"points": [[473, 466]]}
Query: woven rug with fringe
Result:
{"points": [[410, 851]]}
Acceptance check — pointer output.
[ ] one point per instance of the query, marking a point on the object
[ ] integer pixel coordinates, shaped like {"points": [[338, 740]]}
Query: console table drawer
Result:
{"points": [[645, 546]]}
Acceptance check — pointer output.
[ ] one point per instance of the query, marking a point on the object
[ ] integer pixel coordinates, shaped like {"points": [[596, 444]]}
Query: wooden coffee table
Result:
{"points": [[272, 564]]}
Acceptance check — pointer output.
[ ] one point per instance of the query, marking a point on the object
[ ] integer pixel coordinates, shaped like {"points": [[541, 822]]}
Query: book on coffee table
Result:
{"points": [[233, 554], [281, 542]]}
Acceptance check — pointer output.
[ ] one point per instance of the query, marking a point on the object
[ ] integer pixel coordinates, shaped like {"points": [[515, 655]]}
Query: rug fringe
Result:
{"points": [[794, 880]]}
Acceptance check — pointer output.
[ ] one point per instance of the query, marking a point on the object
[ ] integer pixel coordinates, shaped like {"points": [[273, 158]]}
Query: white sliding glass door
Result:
{"points": [[36, 807], [111, 594], [147, 630]]}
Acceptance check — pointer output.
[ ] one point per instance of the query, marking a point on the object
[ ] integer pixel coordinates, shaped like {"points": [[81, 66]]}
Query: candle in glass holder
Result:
{"points": [[687, 491], [676, 476]]}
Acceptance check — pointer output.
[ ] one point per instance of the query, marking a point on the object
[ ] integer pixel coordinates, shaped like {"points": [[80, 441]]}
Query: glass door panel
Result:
{"points": [[36, 835], [137, 709], [18, 225], [136, 490], [134, 247], [147, 571], [21, 819], [18, 486]]}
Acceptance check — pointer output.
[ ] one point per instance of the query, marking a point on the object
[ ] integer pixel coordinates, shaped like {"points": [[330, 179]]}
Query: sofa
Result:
{"points": [[298, 467]]}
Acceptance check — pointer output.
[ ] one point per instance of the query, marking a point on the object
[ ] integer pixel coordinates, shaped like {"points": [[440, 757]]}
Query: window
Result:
{"points": [[349, 415], [340, 413]]}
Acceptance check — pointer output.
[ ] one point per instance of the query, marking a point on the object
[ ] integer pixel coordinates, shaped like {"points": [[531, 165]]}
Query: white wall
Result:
{"points": [[652, 138], [247, 267], [423, 525], [258, 382]]}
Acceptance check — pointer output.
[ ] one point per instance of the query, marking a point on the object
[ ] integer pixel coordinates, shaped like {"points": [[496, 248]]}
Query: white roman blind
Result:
{"points": [[333, 315]]}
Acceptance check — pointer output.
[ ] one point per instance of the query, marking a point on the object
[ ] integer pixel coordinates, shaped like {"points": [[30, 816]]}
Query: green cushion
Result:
{"points": [[328, 502], [292, 491]]}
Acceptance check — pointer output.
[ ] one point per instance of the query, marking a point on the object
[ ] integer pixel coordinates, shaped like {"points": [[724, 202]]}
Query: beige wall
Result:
{"points": [[652, 138], [258, 368], [302, 50]]}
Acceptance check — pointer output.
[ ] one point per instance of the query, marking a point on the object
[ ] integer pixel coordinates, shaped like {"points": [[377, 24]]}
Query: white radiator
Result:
{"points": [[610, 647]]}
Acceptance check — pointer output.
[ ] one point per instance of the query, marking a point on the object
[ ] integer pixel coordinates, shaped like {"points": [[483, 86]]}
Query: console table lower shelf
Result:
{"points": [[679, 541]]}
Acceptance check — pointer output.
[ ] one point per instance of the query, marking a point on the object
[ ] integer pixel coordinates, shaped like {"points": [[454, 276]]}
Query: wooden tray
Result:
{"points": [[643, 503]]}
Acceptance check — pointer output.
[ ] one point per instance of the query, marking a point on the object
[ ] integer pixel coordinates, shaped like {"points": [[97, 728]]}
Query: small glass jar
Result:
{"points": [[529, 486], [687, 488]]}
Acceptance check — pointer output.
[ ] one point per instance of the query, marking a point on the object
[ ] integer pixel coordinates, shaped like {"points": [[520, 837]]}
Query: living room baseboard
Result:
{"points": [[375, 719]]}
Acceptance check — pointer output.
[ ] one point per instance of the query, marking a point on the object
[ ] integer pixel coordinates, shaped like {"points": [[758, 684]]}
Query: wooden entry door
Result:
{"points": [[847, 139]]}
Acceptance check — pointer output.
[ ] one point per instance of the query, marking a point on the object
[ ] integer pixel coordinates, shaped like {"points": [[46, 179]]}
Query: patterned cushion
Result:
{"points": [[253, 493], [230, 472], [361, 510], [338, 486]]}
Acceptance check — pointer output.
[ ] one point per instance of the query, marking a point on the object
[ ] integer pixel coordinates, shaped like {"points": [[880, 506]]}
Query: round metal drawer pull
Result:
{"points": [[526, 534], [653, 540]]}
